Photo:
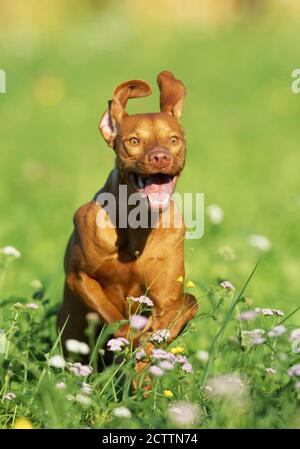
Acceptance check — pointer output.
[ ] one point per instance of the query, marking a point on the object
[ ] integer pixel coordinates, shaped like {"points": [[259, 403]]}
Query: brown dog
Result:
{"points": [[106, 265]]}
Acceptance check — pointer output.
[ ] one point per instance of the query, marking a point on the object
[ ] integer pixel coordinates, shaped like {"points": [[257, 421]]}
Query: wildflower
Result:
{"points": [[277, 331], [117, 344], [22, 423], [142, 300], [184, 414], [168, 393], [270, 370], [160, 336], [101, 351], [180, 279], [187, 367], [139, 355], [57, 361], [60, 385], [162, 354], [77, 347], [294, 370], [70, 397], [227, 386], [267, 312], [156, 371], [259, 242], [248, 315], [3, 342], [86, 388], [215, 214], [228, 285], [92, 317], [32, 306], [177, 350], [138, 322], [122, 412], [181, 359], [203, 356], [166, 365], [190, 284], [9, 396], [83, 399], [278, 312], [80, 370], [258, 340], [10, 251], [295, 335]]}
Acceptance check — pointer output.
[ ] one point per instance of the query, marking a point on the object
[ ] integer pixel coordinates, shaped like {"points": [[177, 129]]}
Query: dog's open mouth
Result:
{"points": [[157, 187]]}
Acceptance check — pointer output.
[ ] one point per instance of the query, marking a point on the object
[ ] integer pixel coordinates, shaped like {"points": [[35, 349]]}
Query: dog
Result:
{"points": [[105, 266]]}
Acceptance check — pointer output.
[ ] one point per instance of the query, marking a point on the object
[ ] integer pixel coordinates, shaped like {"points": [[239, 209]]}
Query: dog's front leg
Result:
{"points": [[91, 293], [175, 315]]}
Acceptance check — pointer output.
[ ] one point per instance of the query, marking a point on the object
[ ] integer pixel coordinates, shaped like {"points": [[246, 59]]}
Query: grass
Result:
{"points": [[242, 129]]}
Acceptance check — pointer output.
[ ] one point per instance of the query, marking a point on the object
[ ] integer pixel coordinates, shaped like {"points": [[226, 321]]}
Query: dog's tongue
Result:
{"points": [[158, 188]]}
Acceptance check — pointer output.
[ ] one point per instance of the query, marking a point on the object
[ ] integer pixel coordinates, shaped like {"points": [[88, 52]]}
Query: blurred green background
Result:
{"points": [[63, 59]]}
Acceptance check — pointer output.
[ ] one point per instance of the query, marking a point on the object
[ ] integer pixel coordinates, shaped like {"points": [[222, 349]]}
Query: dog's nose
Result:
{"points": [[159, 158]]}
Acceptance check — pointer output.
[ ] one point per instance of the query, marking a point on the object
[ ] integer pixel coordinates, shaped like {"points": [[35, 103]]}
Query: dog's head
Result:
{"points": [[150, 148]]}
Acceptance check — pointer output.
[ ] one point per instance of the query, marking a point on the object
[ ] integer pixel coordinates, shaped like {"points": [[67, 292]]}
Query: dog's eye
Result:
{"points": [[174, 139], [134, 141]]}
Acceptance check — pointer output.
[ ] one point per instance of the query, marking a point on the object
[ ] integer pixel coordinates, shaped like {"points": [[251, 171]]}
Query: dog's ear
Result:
{"points": [[172, 93], [115, 113]]}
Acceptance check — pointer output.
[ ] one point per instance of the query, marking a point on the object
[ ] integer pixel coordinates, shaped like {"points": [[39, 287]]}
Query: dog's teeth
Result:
{"points": [[140, 183]]}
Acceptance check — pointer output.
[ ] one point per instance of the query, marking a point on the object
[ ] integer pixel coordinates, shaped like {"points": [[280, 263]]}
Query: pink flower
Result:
{"points": [[142, 300], [227, 284], [156, 371], [247, 315], [138, 322], [166, 365], [117, 344], [32, 306], [80, 370], [139, 355], [161, 354], [294, 370], [187, 367]]}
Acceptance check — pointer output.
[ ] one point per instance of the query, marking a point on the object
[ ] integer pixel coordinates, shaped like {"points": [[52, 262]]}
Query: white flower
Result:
{"points": [[9, 396], [166, 365], [86, 388], [277, 331], [121, 412], [139, 355], [138, 322], [117, 344], [270, 370], [259, 242], [267, 312], [60, 385], [248, 315], [227, 285], [187, 367], [294, 370], [83, 399], [3, 342], [80, 370], [160, 336], [227, 386], [10, 251], [278, 312], [32, 306], [215, 213], [184, 414], [295, 335], [156, 371], [57, 361], [77, 347], [203, 356]]}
